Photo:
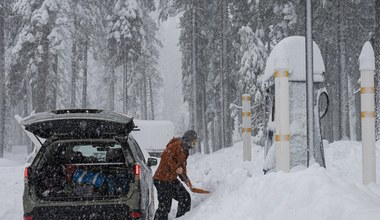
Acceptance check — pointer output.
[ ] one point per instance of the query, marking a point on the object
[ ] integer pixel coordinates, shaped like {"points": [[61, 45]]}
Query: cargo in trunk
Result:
{"points": [[83, 170]]}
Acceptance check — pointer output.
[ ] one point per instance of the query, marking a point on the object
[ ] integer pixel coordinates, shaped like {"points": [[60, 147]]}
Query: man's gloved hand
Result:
{"points": [[179, 170], [188, 183]]}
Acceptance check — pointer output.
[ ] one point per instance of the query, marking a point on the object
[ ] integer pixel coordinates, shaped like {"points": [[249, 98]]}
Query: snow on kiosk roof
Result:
{"points": [[293, 48]]}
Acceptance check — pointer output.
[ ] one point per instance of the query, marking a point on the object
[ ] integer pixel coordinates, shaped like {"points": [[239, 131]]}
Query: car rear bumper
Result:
{"points": [[82, 212]]}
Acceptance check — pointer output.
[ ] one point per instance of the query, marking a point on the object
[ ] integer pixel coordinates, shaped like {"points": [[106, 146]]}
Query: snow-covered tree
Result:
{"points": [[87, 27], [95, 45], [40, 36], [342, 26], [193, 19], [253, 56], [147, 67], [125, 36]]}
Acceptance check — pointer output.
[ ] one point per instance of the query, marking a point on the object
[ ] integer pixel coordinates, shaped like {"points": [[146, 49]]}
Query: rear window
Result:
{"points": [[89, 151], [100, 152]]}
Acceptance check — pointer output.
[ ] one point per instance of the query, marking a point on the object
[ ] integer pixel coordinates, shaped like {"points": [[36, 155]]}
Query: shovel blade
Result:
{"points": [[198, 190]]}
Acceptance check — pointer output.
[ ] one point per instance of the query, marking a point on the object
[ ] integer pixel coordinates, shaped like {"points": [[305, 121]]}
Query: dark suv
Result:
{"points": [[87, 166]]}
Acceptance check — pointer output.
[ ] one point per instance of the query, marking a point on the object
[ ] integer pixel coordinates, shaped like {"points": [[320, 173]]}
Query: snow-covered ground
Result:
{"points": [[241, 191], [12, 186]]}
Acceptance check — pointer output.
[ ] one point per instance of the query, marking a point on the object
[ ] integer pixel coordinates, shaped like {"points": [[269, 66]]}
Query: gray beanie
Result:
{"points": [[190, 136]]}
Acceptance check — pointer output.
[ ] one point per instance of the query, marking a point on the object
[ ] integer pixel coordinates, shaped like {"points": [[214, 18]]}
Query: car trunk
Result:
{"points": [[82, 170]]}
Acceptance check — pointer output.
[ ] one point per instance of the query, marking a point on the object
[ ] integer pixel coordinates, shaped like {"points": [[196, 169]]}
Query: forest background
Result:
{"points": [[58, 54]]}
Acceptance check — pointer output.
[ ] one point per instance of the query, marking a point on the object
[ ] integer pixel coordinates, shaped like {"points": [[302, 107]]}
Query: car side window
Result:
{"points": [[138, 150]]}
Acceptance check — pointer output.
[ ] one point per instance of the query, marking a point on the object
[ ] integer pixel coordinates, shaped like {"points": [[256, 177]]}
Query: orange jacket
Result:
{"points": [[172, 157]]}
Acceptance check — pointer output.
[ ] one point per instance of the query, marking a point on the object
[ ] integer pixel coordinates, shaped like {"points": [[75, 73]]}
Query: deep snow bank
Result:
{"points": [[241, 191], [345, 158]]}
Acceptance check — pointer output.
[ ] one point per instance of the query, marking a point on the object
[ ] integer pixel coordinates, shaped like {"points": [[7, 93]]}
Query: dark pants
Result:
{"points": [[168, 190]]}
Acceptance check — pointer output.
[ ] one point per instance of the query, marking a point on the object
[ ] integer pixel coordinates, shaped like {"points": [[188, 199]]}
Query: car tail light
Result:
{"points": [[26, 174], [28, 217], [137, 169], [135, 214]]}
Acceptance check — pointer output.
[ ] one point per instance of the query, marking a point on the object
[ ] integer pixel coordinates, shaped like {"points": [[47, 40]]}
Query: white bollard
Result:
{"points": [[367, 97], [282, 137], [281, 83], [246, 126]]}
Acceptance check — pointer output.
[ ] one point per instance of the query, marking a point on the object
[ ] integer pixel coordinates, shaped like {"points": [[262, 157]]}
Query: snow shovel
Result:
{"points": [[198, 190]]}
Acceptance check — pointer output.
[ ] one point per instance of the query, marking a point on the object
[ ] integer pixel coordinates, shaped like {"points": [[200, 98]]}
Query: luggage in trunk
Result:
{"points": [[83, 181], [83, 170]]}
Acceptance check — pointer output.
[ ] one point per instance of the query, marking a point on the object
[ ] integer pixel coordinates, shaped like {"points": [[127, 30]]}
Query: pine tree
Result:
{"points": [[376, 45], [253, 56], [125, 38], [147, 66], [74, 65], [343, 72], [213, 80], [2, 77], [87, 24], [192, 45], [40, 36], [331, 35]]}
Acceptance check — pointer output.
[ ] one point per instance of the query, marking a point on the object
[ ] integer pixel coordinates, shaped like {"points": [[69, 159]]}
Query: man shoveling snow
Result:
{"points": [[173, 165]]}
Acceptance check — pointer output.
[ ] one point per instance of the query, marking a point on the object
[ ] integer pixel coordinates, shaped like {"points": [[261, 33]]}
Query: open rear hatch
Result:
{"points": [[78, 123]]}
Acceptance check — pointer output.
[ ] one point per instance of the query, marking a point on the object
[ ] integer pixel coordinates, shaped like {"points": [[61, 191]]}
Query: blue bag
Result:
{"points": [[88, 177]]}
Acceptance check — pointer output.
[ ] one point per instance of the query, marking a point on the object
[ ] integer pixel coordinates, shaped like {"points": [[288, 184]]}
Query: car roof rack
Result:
{"points": [[66, 111]]}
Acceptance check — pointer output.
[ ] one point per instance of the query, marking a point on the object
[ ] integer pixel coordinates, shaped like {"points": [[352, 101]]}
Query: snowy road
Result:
{"points": [[241, 191], [12, 186]]}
